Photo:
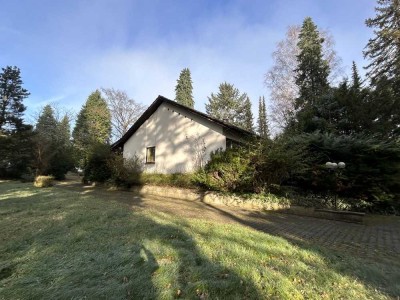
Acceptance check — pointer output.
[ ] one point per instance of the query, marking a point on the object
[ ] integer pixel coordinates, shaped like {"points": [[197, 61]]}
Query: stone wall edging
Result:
{"points": [[206, 197]]}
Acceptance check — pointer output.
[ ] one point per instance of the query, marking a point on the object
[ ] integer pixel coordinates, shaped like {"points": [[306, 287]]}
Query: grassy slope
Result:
{"points": [[57, 243]]}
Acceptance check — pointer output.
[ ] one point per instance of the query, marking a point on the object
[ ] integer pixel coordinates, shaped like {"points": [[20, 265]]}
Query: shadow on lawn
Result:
{"points": [[369, 274], [85, 248]]}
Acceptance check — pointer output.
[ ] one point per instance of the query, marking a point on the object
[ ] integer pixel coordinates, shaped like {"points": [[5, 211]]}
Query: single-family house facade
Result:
{"points": [[172, 138]]}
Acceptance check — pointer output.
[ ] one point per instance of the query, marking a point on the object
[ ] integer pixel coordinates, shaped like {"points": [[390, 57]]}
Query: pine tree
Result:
{"points": [[248, 116], [15, 136], [227, 105], [356, 80], [93, 126], [313, 71], [184, 89], [62, 160], [384, 49], [47, 124], [45, 140], [11, 96], [263, 129]]}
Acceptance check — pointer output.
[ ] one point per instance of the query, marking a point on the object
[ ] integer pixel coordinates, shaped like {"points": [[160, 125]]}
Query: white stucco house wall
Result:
{"points": [[172, 138]]}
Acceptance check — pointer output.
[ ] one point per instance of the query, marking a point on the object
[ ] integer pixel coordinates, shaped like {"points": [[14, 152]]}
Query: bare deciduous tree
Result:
{"points": [[59, 112], [124, 111], [280, 79]]}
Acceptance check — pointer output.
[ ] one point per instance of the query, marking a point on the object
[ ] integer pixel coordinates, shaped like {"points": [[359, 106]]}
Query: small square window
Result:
{"points": [[151, 155]]}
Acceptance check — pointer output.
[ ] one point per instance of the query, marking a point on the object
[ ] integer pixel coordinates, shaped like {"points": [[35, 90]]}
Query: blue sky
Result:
{"points": [[67, 49]]}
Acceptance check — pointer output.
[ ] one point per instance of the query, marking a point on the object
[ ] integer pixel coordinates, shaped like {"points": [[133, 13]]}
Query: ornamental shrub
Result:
{"points": [[125, 172], [228, 171], [43, 181]]}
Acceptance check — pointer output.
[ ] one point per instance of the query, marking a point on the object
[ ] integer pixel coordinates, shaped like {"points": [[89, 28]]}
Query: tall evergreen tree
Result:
{"points": [[227, 105], [15, 136], [313, 71], [384, 69], [52, 145], [356, 79], [184, 89], [248, 122], [93, 126], [263, 129], [315, 99], [12, 95], [384, 49], [45, 140]]}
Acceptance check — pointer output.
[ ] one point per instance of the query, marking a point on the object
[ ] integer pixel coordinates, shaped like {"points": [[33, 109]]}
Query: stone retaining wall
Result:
{"points": [[206, 197]]}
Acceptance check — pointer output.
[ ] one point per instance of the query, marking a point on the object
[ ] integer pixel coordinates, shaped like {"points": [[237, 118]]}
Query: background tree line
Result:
{"points": [[320, 118]]}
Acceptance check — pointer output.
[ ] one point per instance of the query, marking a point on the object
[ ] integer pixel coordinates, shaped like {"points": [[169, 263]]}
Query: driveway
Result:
{"points": [[378, 238]]}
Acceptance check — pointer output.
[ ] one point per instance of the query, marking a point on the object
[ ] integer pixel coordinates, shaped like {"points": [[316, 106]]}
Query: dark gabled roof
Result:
{"points": [[153, 107]]}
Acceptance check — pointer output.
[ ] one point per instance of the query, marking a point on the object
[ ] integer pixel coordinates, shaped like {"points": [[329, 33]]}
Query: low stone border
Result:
{"points": [[206, 197], [251, 204]]}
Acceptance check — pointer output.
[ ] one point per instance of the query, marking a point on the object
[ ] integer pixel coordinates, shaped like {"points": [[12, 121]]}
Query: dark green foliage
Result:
{"points": [[16, 153], [278, 161], [184, 89], [263, 129], [313, 70], [228, 105], [11, 96], [176, 180], [53, 148], [372, 172], [248, 116], [228, 171], [384, 49], [97, 168], [125, 172], [15, 137], [93, 126], [312, 79]]}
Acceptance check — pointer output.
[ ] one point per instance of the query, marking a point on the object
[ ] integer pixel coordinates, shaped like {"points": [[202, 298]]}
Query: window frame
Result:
{"points": [[152, 148]]}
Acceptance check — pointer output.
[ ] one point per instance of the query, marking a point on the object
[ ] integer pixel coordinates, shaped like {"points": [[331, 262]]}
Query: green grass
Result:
{"points": [[61, 244]]}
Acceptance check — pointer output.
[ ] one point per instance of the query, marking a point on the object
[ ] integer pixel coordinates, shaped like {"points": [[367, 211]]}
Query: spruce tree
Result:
{"points": [[15, 136], [263, 129], [184, 89], [248, 116], [93, 126], [384, 49], [313, 71], [356, 80], [11, 96], [45, 141], [227, 105]]}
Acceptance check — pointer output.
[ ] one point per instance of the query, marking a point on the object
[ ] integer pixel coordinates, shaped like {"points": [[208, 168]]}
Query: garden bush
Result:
{"points": [[97, 169], [125, 172], [177, 180], [43, 181], [228, 171]]}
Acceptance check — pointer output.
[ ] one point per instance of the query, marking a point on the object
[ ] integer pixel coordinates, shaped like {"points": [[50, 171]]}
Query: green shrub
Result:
{"points": [[44, 181], [97, 168], [177, 180], [276, 162], [125, 172], [228, 171]]}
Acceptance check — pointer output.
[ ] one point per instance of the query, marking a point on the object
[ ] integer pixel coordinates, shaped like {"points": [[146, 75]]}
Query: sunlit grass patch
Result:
{"points": [[57, 243]]}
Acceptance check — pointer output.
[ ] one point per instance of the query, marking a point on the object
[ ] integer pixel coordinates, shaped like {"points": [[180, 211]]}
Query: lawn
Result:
{"points": [[57, 243]]}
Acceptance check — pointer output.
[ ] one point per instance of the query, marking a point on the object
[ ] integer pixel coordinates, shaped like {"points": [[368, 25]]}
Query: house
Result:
{"points": [[172, 138]]}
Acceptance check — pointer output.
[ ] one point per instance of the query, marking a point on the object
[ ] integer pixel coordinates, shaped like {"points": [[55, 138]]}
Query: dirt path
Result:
{"points": [[379, 238]]}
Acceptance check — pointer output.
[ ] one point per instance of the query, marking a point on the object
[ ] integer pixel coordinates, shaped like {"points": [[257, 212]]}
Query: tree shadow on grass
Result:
{"points": [[382, 274], [99, 249]]}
